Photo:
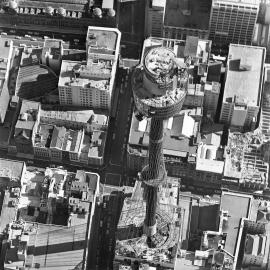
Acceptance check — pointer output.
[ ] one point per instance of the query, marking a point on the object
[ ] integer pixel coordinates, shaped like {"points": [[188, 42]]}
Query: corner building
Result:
{"points": [[90, 84]]}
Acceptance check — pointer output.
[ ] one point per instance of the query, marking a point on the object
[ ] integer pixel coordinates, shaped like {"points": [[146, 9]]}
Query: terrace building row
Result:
{"points": [[61, 136]]}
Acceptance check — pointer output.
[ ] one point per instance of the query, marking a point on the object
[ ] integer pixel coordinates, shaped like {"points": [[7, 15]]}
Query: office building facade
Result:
{"points": [[233, 21]]}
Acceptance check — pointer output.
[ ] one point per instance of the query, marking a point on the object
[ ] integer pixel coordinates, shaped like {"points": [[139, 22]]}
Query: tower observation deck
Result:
{"points": [[159, 89]]}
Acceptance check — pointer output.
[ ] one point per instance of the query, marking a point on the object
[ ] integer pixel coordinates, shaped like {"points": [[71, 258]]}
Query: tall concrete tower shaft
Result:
{"points": [[156, 172], [159, 90]]}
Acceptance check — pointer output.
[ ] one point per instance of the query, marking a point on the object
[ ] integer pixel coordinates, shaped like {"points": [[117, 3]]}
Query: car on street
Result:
{"points": [[33, 39], [4, 34], [18, 37], [27, 36]]}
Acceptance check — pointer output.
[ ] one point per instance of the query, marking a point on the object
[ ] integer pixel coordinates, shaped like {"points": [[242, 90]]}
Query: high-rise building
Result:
{"points": [[261, 34], [233, 21], [159, 89], [243, 86], [5, 59], [91, 84], [155, 18]]}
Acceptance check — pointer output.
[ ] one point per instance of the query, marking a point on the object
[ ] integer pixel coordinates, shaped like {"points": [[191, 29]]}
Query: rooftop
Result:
{"points": [[27, 118], [30, 56], [5, 48], [56, 247], [97, 145], [208, 159], [35, 81], [245, 158], [52, 43], [172, 145], [188, 14], [84, 116], [100, 37], [43, 136], [244, 75], [96, 75], [66, 139], [11, 169], [228, 202]]}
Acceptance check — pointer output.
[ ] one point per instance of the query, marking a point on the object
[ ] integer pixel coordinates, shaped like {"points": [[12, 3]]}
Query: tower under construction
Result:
{"points": [[149, 222]]}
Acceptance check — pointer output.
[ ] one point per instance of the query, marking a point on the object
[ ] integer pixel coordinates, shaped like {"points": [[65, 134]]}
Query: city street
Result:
{"points": [[113, 172]]}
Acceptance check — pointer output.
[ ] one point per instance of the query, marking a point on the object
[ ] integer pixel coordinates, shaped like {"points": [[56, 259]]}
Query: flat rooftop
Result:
{"points": [[99, 37], [8, 213], [5, 48], [96, 75], [27, 117], [188, 14], [52, 43], [56, 247], [244, 74], [238, 206], [11, 168]]}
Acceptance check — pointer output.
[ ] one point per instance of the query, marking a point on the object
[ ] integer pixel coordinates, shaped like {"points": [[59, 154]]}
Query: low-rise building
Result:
{"points": [[26, 126], [86, 119], [68, 145]]}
